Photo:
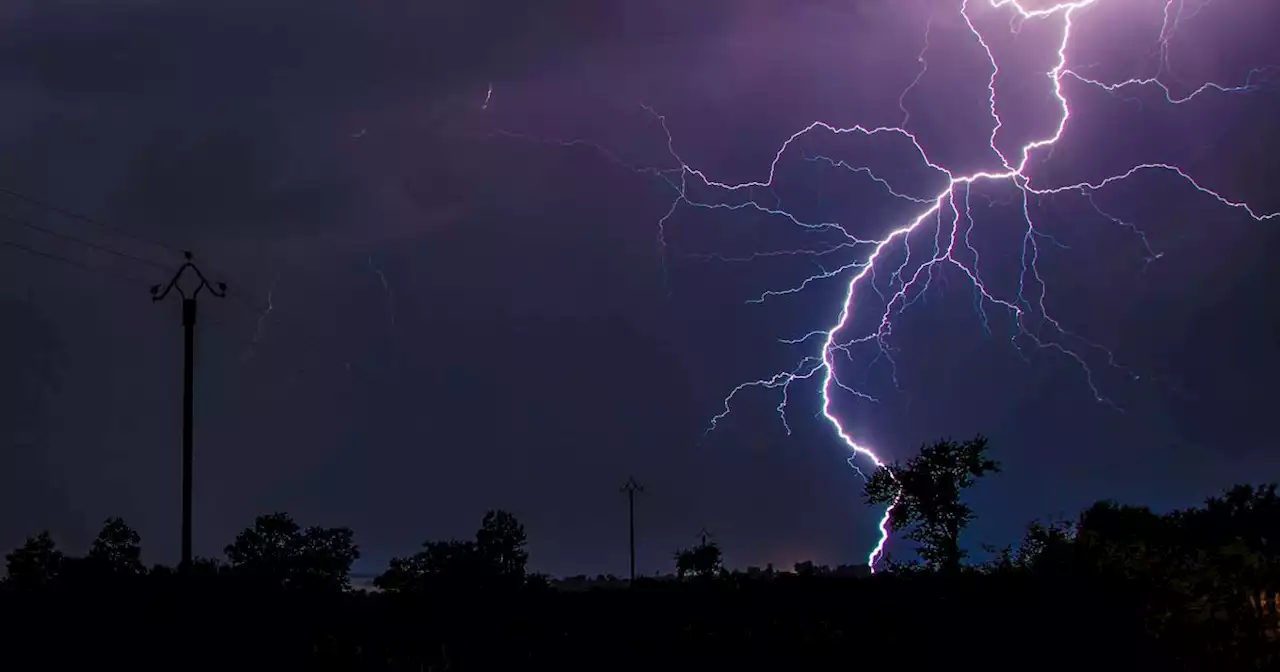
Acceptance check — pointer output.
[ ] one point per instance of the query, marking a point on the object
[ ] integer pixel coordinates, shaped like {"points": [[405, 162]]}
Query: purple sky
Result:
{"points": [[533, 345]]}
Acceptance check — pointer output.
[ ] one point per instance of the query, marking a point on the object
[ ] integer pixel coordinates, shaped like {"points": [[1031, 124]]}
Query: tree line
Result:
{"points": [[276, 553], [1191, 588], [1208, 575]]}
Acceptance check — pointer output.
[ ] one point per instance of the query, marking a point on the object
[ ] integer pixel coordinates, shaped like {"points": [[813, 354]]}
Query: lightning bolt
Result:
{"points": [[948, 213], [386, 290], [266, 312], [924, 67], [263, 313]]}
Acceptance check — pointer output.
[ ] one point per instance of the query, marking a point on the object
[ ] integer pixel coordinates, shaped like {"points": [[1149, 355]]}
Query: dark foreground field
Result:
{"points": [[976, 621]]}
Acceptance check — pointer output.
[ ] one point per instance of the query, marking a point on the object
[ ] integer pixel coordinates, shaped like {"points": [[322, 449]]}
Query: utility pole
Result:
{"points": [[188, 370], [704, 535], [631, 488]]}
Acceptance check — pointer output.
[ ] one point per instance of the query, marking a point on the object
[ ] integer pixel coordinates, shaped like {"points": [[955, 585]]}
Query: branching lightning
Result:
{"points": [[949, 209]]}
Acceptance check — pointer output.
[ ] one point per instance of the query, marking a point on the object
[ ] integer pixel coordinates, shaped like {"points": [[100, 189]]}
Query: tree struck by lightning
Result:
{"points": [[945, 212]]}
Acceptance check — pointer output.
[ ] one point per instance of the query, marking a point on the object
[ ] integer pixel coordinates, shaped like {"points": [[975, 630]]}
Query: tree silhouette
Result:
{"points": [[500, 542], [35, 564], [1244, 524], [704, 560], [279, 552], [927, 491], [452, 558], [454, 561], [1046, 547], [1207, 575], [325, 556], [1242, 514], [1223, 567], [117, 550], [268, 547], [496, 557], [1132, 542]]}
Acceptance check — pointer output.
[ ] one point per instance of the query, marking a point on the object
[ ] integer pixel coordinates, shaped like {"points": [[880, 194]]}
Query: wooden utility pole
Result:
{"points": [[631, 488], [704, 535], [188, 372]]}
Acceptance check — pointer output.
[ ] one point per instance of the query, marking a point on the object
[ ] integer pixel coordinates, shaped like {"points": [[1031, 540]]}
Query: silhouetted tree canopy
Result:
{"points": [[1215, 566], [35, 564], [117, 550], [927, 491], [704, 560], [500, 542], [496, 557], [276, 550]]}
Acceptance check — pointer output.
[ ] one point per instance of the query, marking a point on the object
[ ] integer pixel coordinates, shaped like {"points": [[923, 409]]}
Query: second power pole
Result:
{"points": [[631, 488]]}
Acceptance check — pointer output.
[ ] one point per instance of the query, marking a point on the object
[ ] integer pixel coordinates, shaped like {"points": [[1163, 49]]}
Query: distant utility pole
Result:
{"points": [[704, 535], [188, 369], [631, 488]]}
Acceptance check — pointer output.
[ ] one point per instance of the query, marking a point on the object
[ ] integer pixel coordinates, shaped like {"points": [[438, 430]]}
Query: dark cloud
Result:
{"points": [[31, 496]]}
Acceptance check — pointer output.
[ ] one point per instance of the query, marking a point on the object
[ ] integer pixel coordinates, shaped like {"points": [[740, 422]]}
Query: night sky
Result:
{"points": [[440, 305]]}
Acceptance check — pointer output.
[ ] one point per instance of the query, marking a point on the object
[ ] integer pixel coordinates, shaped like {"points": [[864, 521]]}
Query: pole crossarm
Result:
{"points": [[218, 289], [631, 486]]}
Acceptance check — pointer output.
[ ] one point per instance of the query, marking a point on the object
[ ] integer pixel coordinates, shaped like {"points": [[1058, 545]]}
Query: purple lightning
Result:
{"points": [[950, 208]]}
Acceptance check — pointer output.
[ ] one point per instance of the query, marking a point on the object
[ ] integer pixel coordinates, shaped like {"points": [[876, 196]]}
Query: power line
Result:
{"points": [[124, 277], [72, 262], [85, 218], [101, 248], [239, 298], [96, 222]]}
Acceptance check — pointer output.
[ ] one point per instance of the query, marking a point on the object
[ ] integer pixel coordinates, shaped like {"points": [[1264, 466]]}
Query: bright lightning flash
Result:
{"points": [[950, 209]]}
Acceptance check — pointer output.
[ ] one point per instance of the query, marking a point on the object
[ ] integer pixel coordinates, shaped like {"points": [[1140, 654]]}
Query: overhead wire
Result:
{"points": [[133, 280], [80, 241], [73, 262], [85, 218], [52, 207]]}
